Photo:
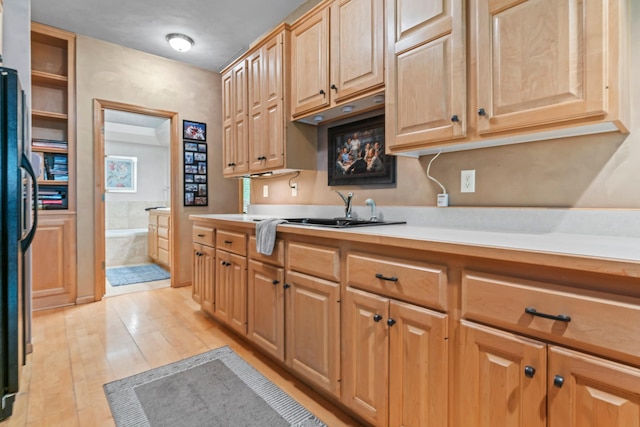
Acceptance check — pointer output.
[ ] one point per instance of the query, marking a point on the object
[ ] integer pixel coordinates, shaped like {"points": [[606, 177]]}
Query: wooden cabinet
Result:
{"points": [[312, 304], [426, 77], [541, 63], [395, 361], [265, 299], [234, 121], [337, 55], [204, 267], [231, 279], [266, 140], [53, 140], [159, 238], [515, 381]]}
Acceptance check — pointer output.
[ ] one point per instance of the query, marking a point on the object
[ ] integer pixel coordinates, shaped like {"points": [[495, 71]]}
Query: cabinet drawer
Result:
{"points": [[163, 243], [596, 322], [416, 282], [276, 258], [163, 232], [164, 257], [232, 241], [202, 234], [163, 220], [315, 260]]}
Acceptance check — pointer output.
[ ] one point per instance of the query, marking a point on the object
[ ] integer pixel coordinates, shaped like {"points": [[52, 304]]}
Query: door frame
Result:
{"points": [[99, 105]]}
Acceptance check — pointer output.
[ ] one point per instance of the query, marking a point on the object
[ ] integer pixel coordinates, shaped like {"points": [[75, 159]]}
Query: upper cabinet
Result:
{"points": [[258, 136], [337, 55], [536, 67], [426, 72]]}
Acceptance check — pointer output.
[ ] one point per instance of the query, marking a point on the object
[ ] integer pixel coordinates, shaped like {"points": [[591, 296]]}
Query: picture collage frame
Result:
{"points": [[196, 191]]}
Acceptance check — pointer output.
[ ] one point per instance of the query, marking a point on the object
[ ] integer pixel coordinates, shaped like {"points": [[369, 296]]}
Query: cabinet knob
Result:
{"points": [[391, 321], [286, 286], [529, 371], [322, 92], [481, 112], [275, 281], [334, 87], [377, 318], [222, 263], [455, 118], [558, 381]]}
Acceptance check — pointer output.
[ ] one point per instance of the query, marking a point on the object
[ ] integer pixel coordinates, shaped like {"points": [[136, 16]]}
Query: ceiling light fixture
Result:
{"points": [[318, 118], [378, 99], [347, 108], [180, 42]]}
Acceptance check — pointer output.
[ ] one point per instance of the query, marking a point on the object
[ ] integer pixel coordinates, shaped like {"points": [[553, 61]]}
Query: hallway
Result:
{"points": [[79, 348]]}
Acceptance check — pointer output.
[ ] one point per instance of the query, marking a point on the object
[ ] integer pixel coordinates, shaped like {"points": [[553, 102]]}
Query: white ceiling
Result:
{"points": [[221, 29]]}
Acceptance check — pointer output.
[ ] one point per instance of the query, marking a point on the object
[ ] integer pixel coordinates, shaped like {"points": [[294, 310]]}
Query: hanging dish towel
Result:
{"points": [[266, 235]]}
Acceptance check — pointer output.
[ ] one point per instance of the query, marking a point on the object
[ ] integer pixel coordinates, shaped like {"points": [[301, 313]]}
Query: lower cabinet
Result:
{"points": [[231, 290], [395, 366], [204, 267], [510, 380]]}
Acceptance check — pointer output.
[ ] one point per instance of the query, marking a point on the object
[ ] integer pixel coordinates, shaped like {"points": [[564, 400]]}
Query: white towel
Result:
{"points": [[266, 235]]}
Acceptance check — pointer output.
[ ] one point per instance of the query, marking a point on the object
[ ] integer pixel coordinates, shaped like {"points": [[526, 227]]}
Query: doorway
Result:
{"points": [[144, 143]]}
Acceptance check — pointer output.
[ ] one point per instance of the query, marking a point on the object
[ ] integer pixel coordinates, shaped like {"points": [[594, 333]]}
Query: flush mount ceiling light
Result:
{"points": [[347, 108], [180, 42], [378, 99], [318, 118]]}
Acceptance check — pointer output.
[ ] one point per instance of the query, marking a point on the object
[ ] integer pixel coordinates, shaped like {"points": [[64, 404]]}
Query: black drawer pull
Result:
{"points": [[482, 112], [390, 279], [321, 92], [560, 317], [377, 318], [334, 87], [558, 381], [275, 281], [391, 321], [286, 286], [455, 118], [228, 242], [529, 371], [200, 235]]}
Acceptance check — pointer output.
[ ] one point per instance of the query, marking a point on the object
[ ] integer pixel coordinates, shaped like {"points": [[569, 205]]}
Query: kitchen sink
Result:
{"points": [[339, 222]]}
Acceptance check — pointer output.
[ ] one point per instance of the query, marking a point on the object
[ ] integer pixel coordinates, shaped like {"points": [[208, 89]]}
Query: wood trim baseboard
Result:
{"points": [[85, 300]]}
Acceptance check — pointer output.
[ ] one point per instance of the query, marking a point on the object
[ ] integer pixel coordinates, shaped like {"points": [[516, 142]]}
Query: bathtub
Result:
{"points": [[126, 247]]}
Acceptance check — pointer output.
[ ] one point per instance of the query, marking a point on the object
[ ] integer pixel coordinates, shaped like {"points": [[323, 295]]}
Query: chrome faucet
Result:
{"points": [[374, 213], [347, 203]]}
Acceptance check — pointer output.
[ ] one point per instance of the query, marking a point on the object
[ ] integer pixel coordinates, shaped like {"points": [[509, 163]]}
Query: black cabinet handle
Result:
{"points": [[286, 286], [558, 381], [529, 371], [391, 321], [334, 87], [455, 118], [275, 281], [200, 235], [262, 158], [377, 318], [481, 112], [322, 92], [228, 242], [390, 279], [560, 317], [221, 262]]}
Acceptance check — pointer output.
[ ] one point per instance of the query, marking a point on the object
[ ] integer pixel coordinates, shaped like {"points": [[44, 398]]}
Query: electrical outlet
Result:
{"points": [[265, 191], [468, 181], [294, 189]]}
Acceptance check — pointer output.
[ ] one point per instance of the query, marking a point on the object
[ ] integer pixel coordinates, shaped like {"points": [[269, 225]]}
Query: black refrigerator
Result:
{"points": [[18, 220]]}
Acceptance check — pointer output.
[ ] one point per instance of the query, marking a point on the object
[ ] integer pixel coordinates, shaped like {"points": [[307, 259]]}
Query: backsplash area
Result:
{"points": [[121, 215]]}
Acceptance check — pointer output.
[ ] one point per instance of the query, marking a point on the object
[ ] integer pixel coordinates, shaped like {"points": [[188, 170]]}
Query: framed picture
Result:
{"points": [[194, 131], [356, 154], [195, 174], [120, 174]]}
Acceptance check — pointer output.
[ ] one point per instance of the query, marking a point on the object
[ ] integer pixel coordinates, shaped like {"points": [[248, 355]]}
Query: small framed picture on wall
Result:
{"points": [[195, 174], [194, 131]]}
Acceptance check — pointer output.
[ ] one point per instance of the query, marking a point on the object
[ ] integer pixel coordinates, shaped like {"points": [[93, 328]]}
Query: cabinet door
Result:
{"points": [[273, 79], [426, 78], [313, 330], [502, 379], [357, 47], [266, 307], [222, 285], [198, 273], [240, 117], [255, 92], [418, 367], [152, 242], [228, 147], [237, 292], [540, 62], [366, 355], [589, 391], [310, 63], [207, 268]]}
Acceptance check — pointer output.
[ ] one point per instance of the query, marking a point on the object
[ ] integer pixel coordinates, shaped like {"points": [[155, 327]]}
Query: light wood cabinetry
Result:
{"points": [[395, 353], [312, 298], [53, 140], [265, 139], [536, 67], [231, 279], [159, 237], [426, 72], [204, 267], [337, 55]]}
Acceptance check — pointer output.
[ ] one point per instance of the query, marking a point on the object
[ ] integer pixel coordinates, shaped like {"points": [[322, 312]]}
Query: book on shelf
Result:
{"points": [[49, 143], [56, 167]]}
